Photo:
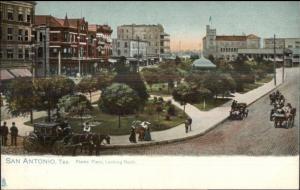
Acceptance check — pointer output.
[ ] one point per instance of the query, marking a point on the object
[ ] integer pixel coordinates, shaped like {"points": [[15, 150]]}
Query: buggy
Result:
{"points": [[46, 136], [238, 112]]}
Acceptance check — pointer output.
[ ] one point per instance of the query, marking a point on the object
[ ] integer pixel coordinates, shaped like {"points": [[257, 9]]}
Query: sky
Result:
{"points": [[186, 21]]}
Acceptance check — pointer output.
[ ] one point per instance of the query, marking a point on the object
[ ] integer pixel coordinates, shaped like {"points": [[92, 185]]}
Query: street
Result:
{"points": [[253, 136]]}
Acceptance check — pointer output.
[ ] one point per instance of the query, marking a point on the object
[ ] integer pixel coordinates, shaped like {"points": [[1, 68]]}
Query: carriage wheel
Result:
{"points": [[32, 145], [59, 148]]}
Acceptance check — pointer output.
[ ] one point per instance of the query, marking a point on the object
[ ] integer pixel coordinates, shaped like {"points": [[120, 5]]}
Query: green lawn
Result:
{"points": [[109, 123], [265, 80], [211, 103]]}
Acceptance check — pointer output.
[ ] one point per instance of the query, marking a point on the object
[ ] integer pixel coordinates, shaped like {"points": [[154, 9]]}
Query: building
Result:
{"points": [[226, 47], [282, 43], [130, 48], [159, 41], [203, 64], [17, 18], [70, 46]]}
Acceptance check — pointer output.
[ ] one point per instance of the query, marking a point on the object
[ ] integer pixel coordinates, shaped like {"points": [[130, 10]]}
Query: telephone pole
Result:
{"points": [[274, 61], [283, 61]]}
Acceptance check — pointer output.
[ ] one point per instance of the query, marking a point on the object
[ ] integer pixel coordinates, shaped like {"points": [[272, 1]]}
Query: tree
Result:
{"points": [[177, 60], [87, 85], [119, 99], [151, 76], [211, 58], [185, 93], [75, 105], [133, 79], [50, 90], [104, 80], [20, 97]]}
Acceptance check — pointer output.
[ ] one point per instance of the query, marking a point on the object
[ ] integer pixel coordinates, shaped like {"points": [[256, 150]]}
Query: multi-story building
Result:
{"points": [[16, 19], [99, 44], [227, 47], [285, 48], [282, 43], [159, 41], [130, 48], [70, 46]]}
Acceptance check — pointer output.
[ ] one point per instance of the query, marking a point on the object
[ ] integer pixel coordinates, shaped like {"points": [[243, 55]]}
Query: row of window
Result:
{"points": [[21, 54], [21, 17], [22, 35], [229, 49]]}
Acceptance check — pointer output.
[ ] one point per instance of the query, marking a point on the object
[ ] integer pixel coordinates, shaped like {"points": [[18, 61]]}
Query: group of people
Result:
{"points": [[188, 125], [14, 132], [143, 131]]}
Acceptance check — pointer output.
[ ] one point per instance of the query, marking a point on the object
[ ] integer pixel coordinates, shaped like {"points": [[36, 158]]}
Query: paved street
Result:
{"points": [[253, 136]]}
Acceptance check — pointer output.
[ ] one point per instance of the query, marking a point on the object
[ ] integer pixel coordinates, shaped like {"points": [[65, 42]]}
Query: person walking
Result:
{"points": [[132, 137], [190, 123], [4, 134], [147, 136], [14, 134], [186, 125]]}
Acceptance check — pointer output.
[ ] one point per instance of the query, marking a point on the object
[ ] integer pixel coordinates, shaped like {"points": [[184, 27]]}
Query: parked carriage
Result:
{"points": [[58, 138], [276, 98], [238, 112], [44, 136]]}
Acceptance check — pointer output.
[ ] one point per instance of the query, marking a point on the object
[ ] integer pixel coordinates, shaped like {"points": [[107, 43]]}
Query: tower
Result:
{"points": [[209, 44]]}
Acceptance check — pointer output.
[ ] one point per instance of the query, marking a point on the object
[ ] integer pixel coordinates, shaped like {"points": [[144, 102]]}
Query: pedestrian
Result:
{"points": [[4, 134], [14, 134], [186, 125], [190, 123], [132, 137], [147, 136]]}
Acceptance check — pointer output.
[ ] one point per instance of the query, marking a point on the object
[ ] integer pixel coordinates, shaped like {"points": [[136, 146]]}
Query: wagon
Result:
{"points": [[45, 136], [280, 120], [239, 112]]}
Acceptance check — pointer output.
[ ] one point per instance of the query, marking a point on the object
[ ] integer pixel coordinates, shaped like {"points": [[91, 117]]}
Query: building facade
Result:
{"points": [[17, 18], [226, 47], [130, 48], [159, 41], [70, 46], [282, 43]]}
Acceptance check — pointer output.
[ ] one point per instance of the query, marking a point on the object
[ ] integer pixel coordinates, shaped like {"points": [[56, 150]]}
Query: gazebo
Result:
{"points": [[203, 64]]}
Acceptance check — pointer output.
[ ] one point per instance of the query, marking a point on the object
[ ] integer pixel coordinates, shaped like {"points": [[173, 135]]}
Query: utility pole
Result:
{"points": [[283, 61], [59, 63], [274, 61], [45, 55]]}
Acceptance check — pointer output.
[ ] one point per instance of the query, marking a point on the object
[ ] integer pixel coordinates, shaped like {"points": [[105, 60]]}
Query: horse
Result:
{"points": [[92, 141]]}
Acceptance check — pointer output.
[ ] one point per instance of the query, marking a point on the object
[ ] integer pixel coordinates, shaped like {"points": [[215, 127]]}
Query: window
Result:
{"points": [[9, 33], [118, 44], [28, 18], [20, 35], [54, 50], [65, 50], [119, 52], [41, 36], [26, 35], [9, 53], [126, 45], [10, 15], [20, 17], [40, 52], [20, 54], [26, 53]]}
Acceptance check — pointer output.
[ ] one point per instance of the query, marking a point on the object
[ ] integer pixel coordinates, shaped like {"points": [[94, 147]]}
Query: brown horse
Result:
{"points": [[92, 141]]}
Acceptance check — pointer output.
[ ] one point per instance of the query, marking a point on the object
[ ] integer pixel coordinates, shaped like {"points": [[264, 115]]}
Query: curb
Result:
{"points": [[184, 138]]}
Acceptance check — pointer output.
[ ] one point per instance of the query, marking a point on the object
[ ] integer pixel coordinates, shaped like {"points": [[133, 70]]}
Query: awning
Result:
{"points": [[5, 75], [21, 72]]}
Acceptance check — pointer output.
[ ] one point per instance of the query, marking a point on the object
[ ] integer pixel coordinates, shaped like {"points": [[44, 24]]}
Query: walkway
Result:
{"points": [[202, 120]]}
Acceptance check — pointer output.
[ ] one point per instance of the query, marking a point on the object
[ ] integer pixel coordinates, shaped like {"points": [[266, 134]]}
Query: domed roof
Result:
{"points": [[202, 62]]}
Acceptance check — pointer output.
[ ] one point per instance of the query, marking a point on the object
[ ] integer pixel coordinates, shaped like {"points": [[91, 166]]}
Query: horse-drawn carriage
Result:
{"points": [[142, 128], [238, 111], [58, 138], [276, 98], [283, 117]]}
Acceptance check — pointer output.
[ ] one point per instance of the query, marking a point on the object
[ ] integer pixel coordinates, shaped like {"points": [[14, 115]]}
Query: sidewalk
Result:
{"points": [[203, 121]]}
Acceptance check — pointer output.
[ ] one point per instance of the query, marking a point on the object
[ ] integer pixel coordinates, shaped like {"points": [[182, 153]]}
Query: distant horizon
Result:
{"points": [[186, 21]]}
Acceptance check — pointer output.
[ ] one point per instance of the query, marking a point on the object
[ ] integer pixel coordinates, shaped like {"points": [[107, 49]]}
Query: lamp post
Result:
{"points": [[87, 54], [78, 49]]}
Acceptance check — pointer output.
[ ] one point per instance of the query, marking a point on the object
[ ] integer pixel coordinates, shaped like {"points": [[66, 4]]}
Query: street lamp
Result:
{"points": [[78, 49]]}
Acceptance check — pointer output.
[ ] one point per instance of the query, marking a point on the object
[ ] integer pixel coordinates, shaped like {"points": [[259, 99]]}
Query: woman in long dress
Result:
{"points": [[147, 136]]}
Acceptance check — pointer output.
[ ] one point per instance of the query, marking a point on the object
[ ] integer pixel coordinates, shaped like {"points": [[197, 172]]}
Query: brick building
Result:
{"points": [[16, 19], [70, 44]]}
